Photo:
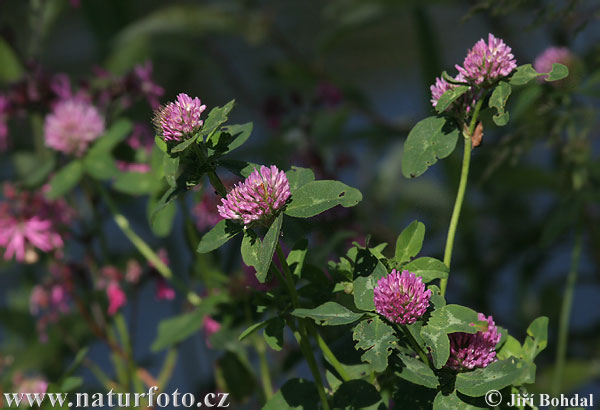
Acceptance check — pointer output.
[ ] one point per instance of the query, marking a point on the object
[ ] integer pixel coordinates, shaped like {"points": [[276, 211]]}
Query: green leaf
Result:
{"points": [[33, 170], [430, 139], [70, 384], [295, 258], [496, 376], [364, 285], [65, 180], [171, 167], [316, 197], [523, 74], [409, 242], [218, 235], [415, 371], [135, 183], [377, 339], [427, 268], [11, 68], [250, 248], [558, 72], [216, 117], [114, 135], [329, 314], [537, 338], [273, 333], [510, 348], [451, 402], [240, 134], [162, 221], [251, 329], [179, 328], [295, 394], [241, 168], [100, 165], [182, 146], [449, 97], [160, 143], [448, 319], [498, 101], [267, 249], [356, 394], [298, 177]]}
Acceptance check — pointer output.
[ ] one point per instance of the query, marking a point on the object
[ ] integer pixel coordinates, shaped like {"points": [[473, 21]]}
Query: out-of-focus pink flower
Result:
{"points": [[72, 126], [133, 271], [487, 62], [51, 299], [125, 166], [60, 84], [163, 290], [116, 297], [4, 105], [329, 94], [471, 350], [401, 297], [260, 196], [29, 385], [141, 138], [148, 87], [75, 3], [206, 212], [28, 221], [562, 55], [180, 119], [211, 327]]}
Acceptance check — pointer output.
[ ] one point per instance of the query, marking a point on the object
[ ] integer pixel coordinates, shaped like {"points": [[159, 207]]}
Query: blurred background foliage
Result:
{"points": [[335, 86]]}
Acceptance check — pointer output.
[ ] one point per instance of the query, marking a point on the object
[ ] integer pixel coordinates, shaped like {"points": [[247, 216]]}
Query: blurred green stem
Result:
{"points": [[460, 196], [302, 334], [123, 223], [265, 375], [565, 315]]}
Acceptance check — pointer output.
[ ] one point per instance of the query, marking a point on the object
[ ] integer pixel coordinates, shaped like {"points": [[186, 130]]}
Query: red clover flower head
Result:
{"points": [[260, 196], [487, 62], [72, 126], [401, 297], [471, 350], [180, 119]]}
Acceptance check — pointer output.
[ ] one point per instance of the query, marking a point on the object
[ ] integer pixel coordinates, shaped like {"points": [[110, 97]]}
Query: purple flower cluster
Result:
{"points": [[487, 62], [180, 119], [72, 126], [28, 222], [471, 350], [259, 197], [465, 103], [401, 297]]}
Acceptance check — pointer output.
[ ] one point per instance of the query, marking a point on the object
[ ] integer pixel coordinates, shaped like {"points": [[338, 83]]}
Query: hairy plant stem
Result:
{"points": [[214, 179], [301, 333], [565, 314], [460, 196], [414, 344], [151, 256]]}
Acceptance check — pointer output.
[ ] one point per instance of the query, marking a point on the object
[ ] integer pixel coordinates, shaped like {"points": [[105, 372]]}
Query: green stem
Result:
{"points": [[301, 337], [565, 314], [167, 369], [328, 353], [123, 223], [302, 334], [460, 196], [265, 374], [415, 345], [214, 179]]}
